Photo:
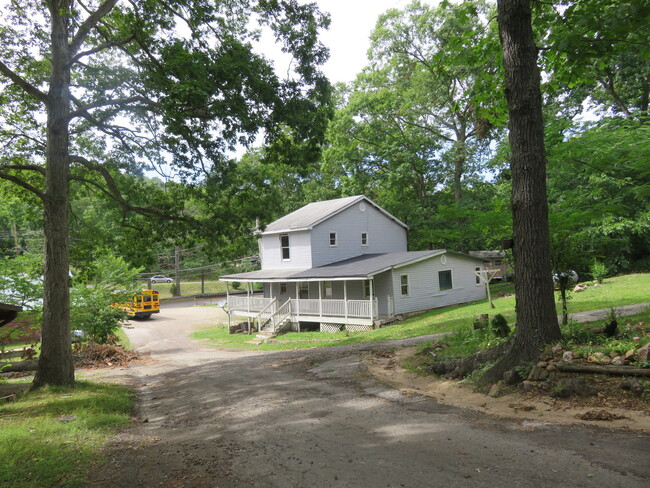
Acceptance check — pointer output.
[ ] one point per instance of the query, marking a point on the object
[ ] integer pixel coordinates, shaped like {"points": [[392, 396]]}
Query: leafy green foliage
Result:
{"points": [[22, 281], [499, 326], [596, 51], [413, 131], [92, 307], [598, 271]]}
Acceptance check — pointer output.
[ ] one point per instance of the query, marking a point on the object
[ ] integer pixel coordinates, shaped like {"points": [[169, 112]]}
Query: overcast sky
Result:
{"points": [[348, 37], [349, 33]]}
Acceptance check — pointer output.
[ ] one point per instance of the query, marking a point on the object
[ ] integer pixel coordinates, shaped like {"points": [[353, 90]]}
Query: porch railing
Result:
{"points": [[254, 304], [307, 307]]}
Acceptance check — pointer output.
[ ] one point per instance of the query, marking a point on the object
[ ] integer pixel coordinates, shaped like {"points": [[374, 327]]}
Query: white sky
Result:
{"points": [[349, 33], [348, 37]]}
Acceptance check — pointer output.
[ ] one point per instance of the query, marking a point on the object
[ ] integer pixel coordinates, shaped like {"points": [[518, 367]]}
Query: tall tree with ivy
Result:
{"points": [[91, 90]]}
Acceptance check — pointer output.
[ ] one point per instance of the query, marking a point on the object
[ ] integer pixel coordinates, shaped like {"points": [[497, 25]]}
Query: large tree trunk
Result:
{"points": [[536, 318], [55, 365]]}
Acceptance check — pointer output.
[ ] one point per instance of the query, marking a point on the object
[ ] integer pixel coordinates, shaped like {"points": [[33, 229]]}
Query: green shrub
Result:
{"points": [[236, 285], [500, 326], [92, 308], [598, 271]]}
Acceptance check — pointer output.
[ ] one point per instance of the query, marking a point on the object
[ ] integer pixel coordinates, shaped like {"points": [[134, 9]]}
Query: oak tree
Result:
{"points": [[95, 89]]}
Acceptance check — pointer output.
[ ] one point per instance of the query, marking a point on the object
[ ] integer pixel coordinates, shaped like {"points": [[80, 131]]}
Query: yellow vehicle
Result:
{"points": [[143, 305]]}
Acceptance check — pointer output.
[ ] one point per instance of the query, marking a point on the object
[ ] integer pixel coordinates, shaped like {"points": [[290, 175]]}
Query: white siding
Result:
{"points": [[424, 289], [299, 249], [384, 235]]}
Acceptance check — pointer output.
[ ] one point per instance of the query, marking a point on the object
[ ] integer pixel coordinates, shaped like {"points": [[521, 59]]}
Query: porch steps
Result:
{"points": [[266, 334]]}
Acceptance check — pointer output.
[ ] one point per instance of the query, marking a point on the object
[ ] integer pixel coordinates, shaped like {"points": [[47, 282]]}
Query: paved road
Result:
{"points": [[317, 419]]}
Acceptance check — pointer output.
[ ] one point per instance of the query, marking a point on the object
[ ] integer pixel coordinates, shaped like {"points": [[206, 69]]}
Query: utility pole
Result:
{"points": [[16, 241], [177, 271]]}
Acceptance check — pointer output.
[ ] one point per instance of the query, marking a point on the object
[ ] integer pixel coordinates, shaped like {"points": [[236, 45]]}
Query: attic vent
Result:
{"points": [[362, 207], [443, 259]]}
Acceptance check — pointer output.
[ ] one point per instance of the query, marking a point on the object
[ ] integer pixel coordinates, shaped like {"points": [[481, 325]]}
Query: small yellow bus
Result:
{"points": [[143, 305]]}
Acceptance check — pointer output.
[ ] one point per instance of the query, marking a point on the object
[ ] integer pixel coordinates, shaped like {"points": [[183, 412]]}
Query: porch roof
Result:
{"points": [[357, 268]]}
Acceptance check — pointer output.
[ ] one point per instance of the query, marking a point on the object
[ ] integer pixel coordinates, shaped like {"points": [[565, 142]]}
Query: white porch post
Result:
{"points": [[372, 301], [248, 305], [228, 303], [298, 304], [320, 300], [345, 298]]}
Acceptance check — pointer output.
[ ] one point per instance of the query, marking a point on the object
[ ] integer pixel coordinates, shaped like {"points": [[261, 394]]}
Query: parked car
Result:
{"points": [[160, 279]]}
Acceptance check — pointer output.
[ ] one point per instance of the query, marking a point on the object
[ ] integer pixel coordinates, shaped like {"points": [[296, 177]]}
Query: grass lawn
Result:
{"points": [[191, 288], [614, 292], [51, 437]]}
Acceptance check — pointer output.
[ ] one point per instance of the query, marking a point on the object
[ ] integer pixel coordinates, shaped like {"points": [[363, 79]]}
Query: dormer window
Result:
{"points": [[284, 247], [332, 239], [364, 238]]}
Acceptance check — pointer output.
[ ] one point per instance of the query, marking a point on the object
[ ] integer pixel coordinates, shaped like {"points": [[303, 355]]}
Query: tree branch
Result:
{"points": [[101, 47], [22, 83], [113, 191], [83, 109], [28, 167], [89, 23], [22, 183]]}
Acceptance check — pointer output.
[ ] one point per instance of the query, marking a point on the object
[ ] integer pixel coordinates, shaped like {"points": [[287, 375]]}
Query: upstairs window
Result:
{"points": [[444, 279], [364, 238], [284, 247], [332, 239], [404, 284]]}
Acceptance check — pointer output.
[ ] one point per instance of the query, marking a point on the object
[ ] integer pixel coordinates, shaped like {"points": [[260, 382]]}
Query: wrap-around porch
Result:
{"points": [[292, 303]]}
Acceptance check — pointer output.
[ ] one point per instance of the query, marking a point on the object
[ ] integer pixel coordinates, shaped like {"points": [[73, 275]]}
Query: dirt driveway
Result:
{"points": [[211, 418]]}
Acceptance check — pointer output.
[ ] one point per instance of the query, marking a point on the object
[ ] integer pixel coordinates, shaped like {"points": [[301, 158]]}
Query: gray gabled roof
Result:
{"points": [[357, 268], [307, 217]]}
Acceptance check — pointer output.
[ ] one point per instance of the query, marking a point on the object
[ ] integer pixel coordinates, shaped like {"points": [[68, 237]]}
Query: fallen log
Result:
{"points": [[601, 369], [29, 365], [15, 353]]}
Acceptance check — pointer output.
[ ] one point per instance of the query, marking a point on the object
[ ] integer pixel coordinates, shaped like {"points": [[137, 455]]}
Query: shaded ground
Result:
{"points": [[316, 418]]}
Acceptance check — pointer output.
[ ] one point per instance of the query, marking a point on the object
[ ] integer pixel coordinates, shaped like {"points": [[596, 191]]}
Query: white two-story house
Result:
{"points": [[344, 263]]}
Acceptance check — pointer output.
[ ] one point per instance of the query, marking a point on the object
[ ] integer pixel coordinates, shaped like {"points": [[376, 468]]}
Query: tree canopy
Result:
{"points": [[94, 90]]}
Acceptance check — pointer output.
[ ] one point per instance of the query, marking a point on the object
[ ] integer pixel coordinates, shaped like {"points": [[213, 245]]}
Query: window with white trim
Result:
{"points": [[444, 280], [404, 284], [478, 278], [284, 247], [283, 288], [364, 238], [366, 289], [332, 239]]}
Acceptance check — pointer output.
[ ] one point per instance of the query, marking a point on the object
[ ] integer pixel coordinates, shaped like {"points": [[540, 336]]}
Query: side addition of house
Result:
{"points": [[344, 263]]}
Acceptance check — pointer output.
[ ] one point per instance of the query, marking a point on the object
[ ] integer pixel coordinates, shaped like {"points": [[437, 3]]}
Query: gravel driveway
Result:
{"points": [[315, 418]]}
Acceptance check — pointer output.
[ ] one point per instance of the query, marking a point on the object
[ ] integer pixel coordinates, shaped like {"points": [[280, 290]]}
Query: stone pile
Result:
{"points": [[546, 367]]}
